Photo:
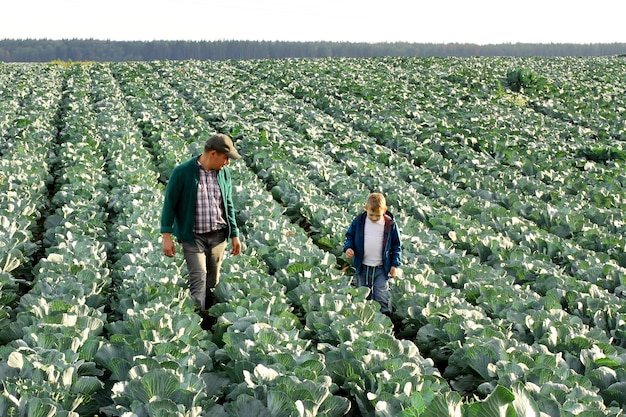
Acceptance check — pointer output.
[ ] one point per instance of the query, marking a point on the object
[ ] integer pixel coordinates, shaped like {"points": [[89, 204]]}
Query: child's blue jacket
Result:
{"points": [[392, 247]]}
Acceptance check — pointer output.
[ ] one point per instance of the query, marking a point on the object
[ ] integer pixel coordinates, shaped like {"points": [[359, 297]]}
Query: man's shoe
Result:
{"points": [[208, 322]]}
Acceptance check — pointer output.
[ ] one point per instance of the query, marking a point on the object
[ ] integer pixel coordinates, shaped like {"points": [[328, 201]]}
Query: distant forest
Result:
{"points": [[44, 50]]}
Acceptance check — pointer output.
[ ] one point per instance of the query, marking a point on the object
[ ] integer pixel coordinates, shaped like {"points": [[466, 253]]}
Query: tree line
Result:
{"points": [[46, 50]]}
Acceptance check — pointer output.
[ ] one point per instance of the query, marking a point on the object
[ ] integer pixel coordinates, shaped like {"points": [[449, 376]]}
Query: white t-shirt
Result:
{"points": [[373, 245]]}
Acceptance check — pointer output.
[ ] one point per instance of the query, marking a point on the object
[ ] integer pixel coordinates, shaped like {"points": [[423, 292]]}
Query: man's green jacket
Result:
{"points": [[179, 208]]}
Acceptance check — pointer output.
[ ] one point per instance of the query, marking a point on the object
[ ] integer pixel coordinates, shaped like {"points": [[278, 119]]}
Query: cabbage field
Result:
{"points": [[506, 175]]}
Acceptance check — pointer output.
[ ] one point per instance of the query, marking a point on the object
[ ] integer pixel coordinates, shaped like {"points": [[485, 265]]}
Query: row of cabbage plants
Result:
{"points": [[442, 158], [446, 122], [290, 185], [569, 98], [271, 236], [551, 169], [247, 322], [27, 132], [485, 303], [161, 89], [56, 328], [492, 283], [593, 312], [156, 354], [56, 360], [584, 264]]}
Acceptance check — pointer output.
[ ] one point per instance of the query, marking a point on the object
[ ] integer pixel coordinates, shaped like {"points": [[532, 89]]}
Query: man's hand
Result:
{"points": [[236, 249], [168, 245], [349, 253]]}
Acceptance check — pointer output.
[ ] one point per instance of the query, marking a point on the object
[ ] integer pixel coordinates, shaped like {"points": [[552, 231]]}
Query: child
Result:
{"points": [[373, 240]]}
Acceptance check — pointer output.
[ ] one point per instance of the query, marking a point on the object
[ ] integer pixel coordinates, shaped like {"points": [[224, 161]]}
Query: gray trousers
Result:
{"points": [[204, 261]]}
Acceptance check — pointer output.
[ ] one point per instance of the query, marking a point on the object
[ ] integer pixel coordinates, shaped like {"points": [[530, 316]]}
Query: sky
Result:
{"points": [[438, 21]]}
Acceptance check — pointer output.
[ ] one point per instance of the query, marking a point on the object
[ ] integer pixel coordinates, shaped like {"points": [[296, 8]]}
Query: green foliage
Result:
{"points": [[602, 154], [511, 299], [525, 80]]}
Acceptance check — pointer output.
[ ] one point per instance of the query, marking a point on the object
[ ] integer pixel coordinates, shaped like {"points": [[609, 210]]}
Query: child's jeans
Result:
{"points": [[375, 278]]}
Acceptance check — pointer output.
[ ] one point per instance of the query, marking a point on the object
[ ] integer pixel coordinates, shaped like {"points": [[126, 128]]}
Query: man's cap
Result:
{"points": [[222, 143]]}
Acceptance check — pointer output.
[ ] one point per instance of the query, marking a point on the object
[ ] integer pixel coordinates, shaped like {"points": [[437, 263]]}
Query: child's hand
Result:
{"points": [[349, 253]]}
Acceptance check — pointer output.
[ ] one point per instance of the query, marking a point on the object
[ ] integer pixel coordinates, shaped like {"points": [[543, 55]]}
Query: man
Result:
{"points": [[198, 210]]}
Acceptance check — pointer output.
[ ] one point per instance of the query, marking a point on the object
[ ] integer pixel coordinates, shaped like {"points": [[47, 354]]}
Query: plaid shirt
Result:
{"points": [[209, 215]]}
